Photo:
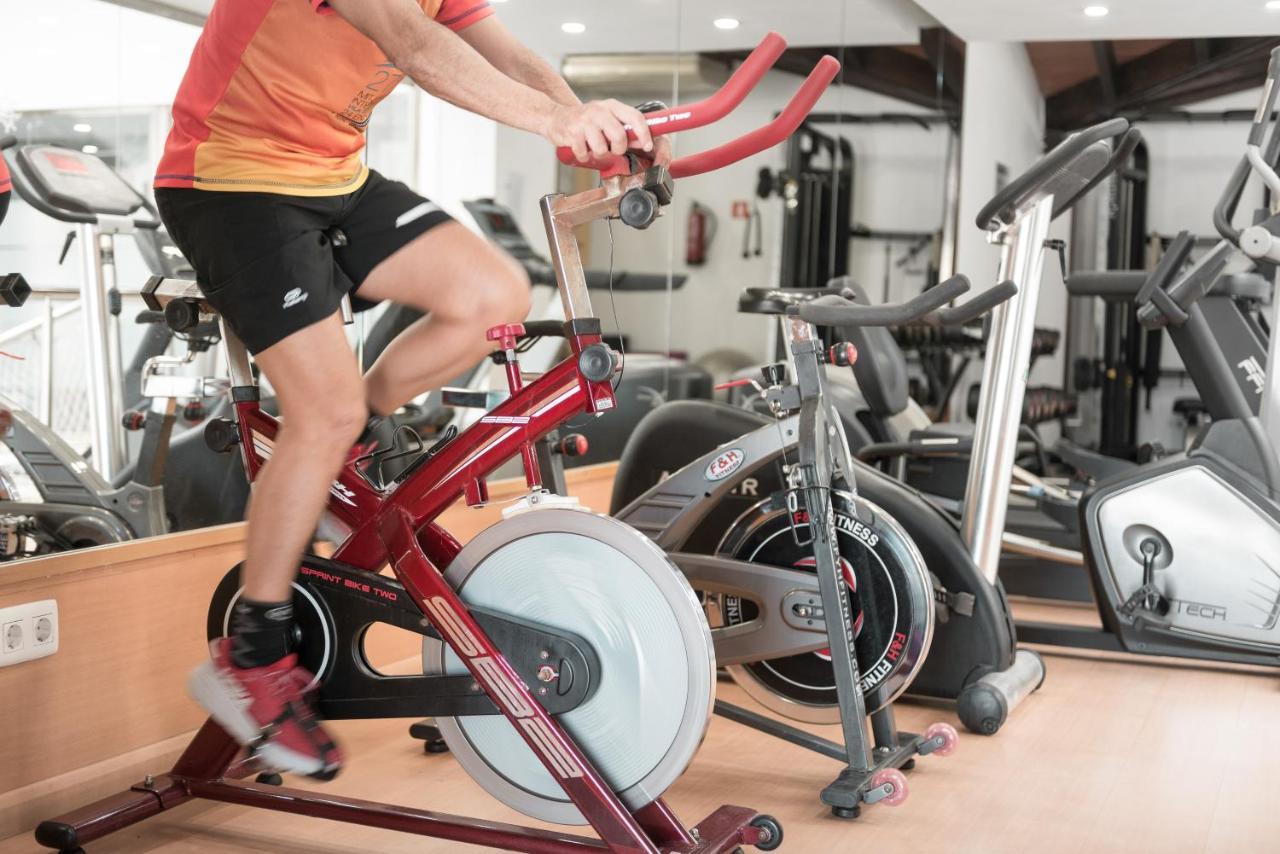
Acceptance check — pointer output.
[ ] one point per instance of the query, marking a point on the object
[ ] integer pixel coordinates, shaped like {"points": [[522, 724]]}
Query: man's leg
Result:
{"points": [[252, 686], [466, 285], [321, 397]]}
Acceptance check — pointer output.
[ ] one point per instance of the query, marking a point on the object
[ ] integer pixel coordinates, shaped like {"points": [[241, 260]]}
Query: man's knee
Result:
{"points": [[330, 425], [507, 296]]}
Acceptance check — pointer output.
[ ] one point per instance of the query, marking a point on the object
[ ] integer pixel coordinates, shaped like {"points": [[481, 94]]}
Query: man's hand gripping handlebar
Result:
{"points": [[717, 106]]}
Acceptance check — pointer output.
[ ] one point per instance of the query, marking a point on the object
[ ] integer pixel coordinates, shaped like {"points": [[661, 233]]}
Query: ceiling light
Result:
{"points": [[1273, 5], [89, 149], [1096, 11], [573, 27], [82, 127], [726, 23]]}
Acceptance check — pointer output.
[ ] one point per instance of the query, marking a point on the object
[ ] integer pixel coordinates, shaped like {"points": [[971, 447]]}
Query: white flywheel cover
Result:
{"points": [[608, 584]]}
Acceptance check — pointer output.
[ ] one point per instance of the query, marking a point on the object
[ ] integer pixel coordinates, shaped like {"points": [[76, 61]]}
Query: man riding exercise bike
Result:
{"points": [[262, 187]]}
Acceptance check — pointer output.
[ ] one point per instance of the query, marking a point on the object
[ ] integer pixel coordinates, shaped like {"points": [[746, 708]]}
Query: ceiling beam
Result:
{"points": [[946, 59], [877, 68], [1104, 56], [1181, 72]]}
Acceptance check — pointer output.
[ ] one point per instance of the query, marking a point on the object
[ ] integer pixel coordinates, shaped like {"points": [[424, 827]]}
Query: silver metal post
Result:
{"points": [[46, 364], [106, 434], [239, 368], [1269, 408], [1004, 383], [950, 210], [115, 354]]}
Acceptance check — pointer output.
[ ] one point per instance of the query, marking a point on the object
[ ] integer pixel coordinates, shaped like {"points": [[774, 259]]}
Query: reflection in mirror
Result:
{"points": [[85, 142]]}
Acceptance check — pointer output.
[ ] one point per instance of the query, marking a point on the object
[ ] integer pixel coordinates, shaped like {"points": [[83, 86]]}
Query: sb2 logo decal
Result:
{"points": [[725, 464]]}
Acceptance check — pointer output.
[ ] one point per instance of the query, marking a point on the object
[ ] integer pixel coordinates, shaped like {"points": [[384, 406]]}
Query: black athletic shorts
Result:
{"points": [[268, 262]]}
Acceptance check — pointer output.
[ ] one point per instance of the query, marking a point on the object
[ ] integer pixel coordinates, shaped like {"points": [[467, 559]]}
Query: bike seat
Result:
{"points": [[778, 300]]}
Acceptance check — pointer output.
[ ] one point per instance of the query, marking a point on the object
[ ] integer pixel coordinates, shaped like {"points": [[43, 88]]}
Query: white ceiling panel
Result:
{"points": [[1064, 20], [659, 25]]}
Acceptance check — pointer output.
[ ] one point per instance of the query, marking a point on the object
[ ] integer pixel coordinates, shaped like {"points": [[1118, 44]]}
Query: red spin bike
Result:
{"points": [[573, 673]]}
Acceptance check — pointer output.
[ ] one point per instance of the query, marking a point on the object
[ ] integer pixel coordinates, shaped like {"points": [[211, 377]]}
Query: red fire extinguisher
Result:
{"points": [[701, 230]]}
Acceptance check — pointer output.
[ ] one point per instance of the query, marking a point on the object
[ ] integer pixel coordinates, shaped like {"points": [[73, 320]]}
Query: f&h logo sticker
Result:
{"points": [[725, 464]]}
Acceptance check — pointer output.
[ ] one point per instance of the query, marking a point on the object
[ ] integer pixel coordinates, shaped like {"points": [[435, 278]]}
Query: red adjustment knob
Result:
{"points": [[843, 354], [135, 420], [573, 445], [506, 335]]}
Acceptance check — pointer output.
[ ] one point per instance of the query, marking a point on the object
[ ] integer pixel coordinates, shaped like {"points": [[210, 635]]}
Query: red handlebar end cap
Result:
{"points": [[843, 355], [573, 445]]}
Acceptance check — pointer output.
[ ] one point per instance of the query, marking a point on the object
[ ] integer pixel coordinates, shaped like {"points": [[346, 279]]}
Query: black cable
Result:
{"points": [[613, 303]]}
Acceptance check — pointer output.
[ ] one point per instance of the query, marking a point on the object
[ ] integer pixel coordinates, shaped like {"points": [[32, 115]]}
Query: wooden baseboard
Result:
{"points": [[111, 705]]}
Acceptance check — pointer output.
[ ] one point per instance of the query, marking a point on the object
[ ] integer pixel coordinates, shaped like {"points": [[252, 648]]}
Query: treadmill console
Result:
{"points": [[499, 225], [79, 184]]}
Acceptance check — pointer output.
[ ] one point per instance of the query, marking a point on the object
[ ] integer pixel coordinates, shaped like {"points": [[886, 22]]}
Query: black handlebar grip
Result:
{"points": [[543, 329], [840, 311], [1156, 306], [1005, 203], [978, 306]]}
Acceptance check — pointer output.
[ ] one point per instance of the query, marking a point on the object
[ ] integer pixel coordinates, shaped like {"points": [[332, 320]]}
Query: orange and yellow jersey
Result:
{"points": [[277, 97]]}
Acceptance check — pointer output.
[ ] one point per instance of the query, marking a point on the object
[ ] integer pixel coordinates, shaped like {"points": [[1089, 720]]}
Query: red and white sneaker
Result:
{"points": [[265, 710]]}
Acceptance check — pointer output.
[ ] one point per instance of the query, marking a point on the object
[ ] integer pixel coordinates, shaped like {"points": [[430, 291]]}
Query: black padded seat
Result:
{"points": [[778, 300]]}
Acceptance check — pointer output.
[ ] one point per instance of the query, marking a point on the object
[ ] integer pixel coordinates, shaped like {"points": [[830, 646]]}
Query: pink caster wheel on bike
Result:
{"points": [[944, 732], [897, 782]]}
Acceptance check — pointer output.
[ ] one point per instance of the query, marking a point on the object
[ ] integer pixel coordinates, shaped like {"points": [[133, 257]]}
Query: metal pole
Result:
{"points": [[1269, 409], [103, 431], [1004, 382], [46, 365], [115, 355], [950, 210]]}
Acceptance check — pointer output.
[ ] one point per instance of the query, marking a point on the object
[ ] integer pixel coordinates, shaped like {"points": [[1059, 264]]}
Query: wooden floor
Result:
{"points": [[1110, 755]]}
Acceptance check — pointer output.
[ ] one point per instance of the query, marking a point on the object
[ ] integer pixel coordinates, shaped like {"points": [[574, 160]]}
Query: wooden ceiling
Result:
{"points": [[1083, 82]]}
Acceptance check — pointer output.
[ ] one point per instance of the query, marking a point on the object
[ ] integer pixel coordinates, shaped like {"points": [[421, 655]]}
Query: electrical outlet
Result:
{"points": [[14, 637], [28, 631]]}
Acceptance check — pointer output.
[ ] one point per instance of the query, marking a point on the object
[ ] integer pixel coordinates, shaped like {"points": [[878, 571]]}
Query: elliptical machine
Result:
{"points": [[1179, 551]]}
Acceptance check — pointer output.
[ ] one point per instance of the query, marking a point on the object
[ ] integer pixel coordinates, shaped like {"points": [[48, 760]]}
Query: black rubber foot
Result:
{"points": [[270, 778], [59, 836], [435, 745], [846, 812], [908, 765]]}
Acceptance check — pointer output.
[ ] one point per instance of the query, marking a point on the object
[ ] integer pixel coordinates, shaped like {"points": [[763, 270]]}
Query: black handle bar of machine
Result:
{"points": [[1006, 203], [927, 307], [1230, 200]]}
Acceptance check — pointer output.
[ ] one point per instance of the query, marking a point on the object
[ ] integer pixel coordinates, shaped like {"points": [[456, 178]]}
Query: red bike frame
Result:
{"points": [[397, 526]]}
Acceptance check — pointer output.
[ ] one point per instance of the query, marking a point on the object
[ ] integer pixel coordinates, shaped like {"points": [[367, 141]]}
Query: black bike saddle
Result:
{"points": [[776, 300]]}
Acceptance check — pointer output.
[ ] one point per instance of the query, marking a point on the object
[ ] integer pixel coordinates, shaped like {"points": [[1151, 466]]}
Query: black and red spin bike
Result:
{"points": [[573, 673]]}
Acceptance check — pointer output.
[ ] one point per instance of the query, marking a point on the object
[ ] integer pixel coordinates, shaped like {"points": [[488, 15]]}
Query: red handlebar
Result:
{"points": [[711, 109], [768, 136], [719, 105]]}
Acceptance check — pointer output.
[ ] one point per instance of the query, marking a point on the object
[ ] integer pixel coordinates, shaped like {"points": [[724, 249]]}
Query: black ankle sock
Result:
{"points": [[371, 426], [261, 633]]}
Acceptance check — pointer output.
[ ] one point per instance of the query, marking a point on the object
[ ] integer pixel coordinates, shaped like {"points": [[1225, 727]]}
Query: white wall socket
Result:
{"points": [[28, 631]]}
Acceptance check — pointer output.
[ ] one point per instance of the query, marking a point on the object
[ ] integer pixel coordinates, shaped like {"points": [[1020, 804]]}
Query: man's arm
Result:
{"points": [[512, 57], [447, 67]]}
